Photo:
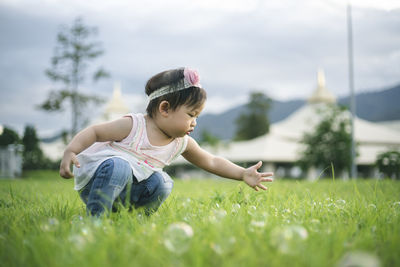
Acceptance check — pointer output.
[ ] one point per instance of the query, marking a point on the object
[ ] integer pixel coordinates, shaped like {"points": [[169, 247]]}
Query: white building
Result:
{"points": [[280, 148]]}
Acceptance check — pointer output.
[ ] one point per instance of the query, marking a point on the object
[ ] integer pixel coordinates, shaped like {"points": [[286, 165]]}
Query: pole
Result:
{"points": [[353, 171]]}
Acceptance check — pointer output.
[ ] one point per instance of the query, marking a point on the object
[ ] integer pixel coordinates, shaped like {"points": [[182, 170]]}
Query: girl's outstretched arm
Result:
{"points": [[225, 168], [110, 131]]}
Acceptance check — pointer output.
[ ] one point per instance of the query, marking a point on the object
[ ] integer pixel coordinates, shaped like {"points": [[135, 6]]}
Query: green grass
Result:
{"points": [[43, 223]]}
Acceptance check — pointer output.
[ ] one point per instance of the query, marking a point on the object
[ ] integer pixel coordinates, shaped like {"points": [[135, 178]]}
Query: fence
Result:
{"points": [[11, 161]]}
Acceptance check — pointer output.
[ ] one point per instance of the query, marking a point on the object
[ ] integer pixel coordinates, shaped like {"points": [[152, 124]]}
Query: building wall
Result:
{"points": [[11, 161]]}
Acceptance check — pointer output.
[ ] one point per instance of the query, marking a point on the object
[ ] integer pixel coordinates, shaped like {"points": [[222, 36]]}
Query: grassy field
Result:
{"points": [[205, 223]]}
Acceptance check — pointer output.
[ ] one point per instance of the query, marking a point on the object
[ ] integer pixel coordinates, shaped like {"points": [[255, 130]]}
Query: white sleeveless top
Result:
{"points": [[136, 149]]}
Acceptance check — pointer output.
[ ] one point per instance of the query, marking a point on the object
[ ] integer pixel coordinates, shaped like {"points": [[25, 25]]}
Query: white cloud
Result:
{"points": [[218, 104], [381, 4], [237, 45]]}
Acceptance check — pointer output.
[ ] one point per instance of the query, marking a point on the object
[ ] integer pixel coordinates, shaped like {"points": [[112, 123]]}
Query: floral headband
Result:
{"points": [[191, 78]]}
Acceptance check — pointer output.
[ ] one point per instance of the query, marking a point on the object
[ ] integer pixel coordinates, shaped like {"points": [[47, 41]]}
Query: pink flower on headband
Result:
{"points": [[192, 76]]}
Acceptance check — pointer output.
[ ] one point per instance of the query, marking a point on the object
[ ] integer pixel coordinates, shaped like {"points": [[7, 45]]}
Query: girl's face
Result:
{"points": [[182, 121]]}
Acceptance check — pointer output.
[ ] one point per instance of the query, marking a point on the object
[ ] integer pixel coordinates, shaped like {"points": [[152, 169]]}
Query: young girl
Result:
{"points": [[122, 160]]}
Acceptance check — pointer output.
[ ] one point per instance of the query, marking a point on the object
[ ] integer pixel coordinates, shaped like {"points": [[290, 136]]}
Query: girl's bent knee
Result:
{"points": [[110, 179], [157, 191], [122, 173], [159, 185]]}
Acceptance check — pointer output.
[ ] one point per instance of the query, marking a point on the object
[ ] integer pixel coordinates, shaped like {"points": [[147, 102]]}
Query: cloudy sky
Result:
{"points": [[237, 46]]}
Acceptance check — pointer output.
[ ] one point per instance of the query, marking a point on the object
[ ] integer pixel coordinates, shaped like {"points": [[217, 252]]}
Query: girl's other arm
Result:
{"points": [[110, 131], [225, 168]]}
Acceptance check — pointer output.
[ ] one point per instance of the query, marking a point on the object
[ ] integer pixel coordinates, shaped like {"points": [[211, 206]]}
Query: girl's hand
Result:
{"points": [[253, 178], [65, 166]]}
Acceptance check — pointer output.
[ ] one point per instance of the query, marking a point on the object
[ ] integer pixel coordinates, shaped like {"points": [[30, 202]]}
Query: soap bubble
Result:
{"points": [[314, 225], [252, 209], [217, 215], [187, 203], [235, 208], [85, 231], [77, 221], [359, 259], [288, 239], [286, 211], [259, 220], [341, 203], [396, 206], [81, 237], [50, 225], [217, 248], [78, 241], [97, 223], [224, 245], [177, 237]]}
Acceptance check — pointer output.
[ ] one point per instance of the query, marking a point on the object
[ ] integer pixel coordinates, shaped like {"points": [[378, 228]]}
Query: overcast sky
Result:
{"points": [[237, 46]]}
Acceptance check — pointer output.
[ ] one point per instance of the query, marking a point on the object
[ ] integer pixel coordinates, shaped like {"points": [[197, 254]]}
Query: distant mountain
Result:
{"points": [[377, 106], [223, 125], [373, 106]]}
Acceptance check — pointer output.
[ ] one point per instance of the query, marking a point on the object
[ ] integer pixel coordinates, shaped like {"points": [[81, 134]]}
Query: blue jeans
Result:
{"points": [[114, 183]]}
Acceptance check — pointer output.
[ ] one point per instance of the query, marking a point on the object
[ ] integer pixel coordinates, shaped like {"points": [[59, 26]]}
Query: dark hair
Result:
{"points": [[192, 96]]}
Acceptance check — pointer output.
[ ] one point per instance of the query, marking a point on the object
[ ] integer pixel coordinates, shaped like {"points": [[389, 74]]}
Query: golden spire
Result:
{"points": [[116, 104], [321, 94]]}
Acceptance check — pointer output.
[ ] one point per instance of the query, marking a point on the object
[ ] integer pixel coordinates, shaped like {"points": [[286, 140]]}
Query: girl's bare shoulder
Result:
{"points": [[115, 130]]}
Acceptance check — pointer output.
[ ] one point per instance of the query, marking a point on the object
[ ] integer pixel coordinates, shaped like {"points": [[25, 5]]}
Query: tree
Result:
{"points": [[389, 164], [208, 138], [9, 137], [253, 122], [329, 143], [74, 50], [33, 155]]}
